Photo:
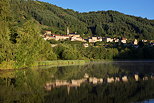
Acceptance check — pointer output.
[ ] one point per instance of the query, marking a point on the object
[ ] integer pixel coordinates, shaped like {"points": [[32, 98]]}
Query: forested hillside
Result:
{"points": [[22, 21], [101, 23], [20, 40]]}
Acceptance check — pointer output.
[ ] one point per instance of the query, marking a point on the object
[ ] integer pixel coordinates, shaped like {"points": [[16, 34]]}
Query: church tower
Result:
{"points": [[68, 31]]}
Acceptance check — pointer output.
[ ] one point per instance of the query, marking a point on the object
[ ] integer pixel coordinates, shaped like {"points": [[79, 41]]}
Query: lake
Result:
{"points": [[95, 82]]}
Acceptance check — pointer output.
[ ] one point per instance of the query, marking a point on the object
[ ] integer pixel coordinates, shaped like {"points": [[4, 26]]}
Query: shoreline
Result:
{"points": [[38, 64], [58, 63]]}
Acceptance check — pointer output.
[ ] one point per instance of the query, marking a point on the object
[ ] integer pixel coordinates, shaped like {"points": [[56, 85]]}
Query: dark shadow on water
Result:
{"points": [[111, 82]]}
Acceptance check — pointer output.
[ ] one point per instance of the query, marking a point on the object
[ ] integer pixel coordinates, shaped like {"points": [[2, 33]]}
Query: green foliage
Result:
{"points": [[5, 44], [7, 65], [76, 50], [70, 54], [27, 46], [6, 50], [20, 39], [56, 63], [46, 52], [30, 45], [67, 52], [136, 53], [4, 9], [99, 30]]}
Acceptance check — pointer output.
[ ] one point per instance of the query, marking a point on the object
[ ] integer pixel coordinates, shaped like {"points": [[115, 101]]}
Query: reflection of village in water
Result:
{"points": [[93, 80]]}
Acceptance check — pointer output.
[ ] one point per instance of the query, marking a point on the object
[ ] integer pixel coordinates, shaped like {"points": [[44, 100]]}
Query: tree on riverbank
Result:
{"points": [[21, 42], [30, 45], [5, 44]]}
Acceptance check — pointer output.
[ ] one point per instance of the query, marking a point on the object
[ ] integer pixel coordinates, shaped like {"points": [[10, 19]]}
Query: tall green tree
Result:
{"points": [[99, 30], [5, 44], [27, 44], [31, 46]]}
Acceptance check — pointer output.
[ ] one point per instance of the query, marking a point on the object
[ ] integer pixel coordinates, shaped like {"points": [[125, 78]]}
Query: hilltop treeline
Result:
{"points": [[100, 23]]}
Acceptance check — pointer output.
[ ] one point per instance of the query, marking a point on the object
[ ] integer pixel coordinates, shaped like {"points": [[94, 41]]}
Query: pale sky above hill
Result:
{"points": [[142, 8]]}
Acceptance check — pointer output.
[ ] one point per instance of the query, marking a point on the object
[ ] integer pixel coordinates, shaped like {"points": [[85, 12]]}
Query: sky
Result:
{"points": [[141, 8]]}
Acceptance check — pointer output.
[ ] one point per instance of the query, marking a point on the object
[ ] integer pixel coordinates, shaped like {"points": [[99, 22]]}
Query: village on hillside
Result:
{"points": [[48, 35]]}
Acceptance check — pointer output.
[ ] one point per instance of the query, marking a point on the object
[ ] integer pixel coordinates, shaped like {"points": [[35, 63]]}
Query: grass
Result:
{"points": [[10, 65], [60, 62]]}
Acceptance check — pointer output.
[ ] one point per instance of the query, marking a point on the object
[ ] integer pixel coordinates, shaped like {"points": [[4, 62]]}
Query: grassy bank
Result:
{"points": [[10, 65], [60, 63]]}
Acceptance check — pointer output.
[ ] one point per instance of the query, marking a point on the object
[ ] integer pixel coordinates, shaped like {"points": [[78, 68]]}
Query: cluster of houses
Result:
{"points": [[76, 37], [93, 80], [116, 40], [48, 35], [73, 37]]}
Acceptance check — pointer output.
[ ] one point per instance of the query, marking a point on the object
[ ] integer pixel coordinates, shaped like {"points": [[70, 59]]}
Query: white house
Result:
{"points": [[116, 40], [124, 40], [109, 40], [86, 45], [136, 77], [144, 41], [94, 39], [48, 32], [110, 80], [49, 37], [125, 79], [77, 39], [135, 42], [61, 37]]}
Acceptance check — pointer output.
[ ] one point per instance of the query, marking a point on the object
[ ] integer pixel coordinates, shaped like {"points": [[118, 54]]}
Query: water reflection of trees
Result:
{"points": [[26, 87], [77, 72], [103, 93], [97, 70]]}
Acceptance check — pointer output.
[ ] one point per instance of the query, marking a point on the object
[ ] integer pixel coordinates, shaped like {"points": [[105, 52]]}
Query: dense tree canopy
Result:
{"points": [[21, 41], [5, 44], [109, 23], [22, 21]]}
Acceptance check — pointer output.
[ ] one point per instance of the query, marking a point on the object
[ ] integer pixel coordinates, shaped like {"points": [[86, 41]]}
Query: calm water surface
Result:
{"points": [[110, 82]]}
